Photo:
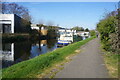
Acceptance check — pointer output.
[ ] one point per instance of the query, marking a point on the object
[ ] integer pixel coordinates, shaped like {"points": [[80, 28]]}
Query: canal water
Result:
{"points": [[16, 52], [13, 53]]}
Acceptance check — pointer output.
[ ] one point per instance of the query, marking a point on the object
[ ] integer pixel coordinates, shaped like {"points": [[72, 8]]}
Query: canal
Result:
{"points": [[13, 53]]}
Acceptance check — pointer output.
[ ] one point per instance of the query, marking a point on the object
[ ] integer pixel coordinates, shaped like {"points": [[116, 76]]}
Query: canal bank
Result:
{"points": [[33, 67]]}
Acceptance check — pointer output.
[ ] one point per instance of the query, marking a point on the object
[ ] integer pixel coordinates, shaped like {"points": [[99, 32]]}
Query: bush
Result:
{"points": [[92, 33], [106, 27]]}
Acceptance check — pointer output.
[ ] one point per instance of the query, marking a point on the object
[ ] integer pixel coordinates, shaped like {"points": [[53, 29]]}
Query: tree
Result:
{"points": [[87, 30], [77, 28], [108, 29], [92, 32], [13, 8]]}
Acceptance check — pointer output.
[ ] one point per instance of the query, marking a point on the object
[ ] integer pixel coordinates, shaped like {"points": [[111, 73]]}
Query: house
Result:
{"points": [[42, 30], [34, 26], [11, 23], [83, 34]]}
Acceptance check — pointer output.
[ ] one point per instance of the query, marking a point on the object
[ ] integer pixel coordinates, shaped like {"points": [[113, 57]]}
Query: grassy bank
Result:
{"points": [[111, 61], [37, 65]]}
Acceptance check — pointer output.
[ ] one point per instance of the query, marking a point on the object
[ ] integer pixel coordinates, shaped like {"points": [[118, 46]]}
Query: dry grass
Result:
{"points": [[111, 61]]}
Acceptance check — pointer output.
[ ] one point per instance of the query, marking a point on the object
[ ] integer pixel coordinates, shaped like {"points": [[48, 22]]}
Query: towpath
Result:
{"points": [[88, 64]]}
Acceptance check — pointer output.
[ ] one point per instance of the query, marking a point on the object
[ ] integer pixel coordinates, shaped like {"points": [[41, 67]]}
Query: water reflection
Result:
{"points": [[35, 51], [8, 52], [13, 53]]}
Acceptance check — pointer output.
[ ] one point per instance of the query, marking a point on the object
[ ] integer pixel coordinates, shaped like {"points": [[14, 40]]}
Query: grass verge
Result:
{"points": [[37, 65], [51, 72], [111, 61]]}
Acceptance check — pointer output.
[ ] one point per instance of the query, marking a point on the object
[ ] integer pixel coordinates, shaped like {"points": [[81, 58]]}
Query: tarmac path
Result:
{"points": [[88, 64]]}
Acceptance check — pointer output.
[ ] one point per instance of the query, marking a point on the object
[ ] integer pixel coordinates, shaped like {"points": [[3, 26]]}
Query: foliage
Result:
{"points": [[77, 28], [52, 33], [109, 32], [35, 66], [106, 27], [86, 30], [92, 32], [34, 35]]}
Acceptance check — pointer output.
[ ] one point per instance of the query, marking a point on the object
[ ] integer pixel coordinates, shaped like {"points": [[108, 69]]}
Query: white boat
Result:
{"points": [[63, 42], [66, 36]]}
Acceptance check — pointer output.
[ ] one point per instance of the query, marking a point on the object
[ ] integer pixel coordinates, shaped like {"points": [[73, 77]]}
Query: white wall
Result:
{"points": [[7, 19], [34, 26]]}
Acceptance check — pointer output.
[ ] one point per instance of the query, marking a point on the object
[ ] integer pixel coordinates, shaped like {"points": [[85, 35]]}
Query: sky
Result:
{"points": [[60, 0], [69, 14]]}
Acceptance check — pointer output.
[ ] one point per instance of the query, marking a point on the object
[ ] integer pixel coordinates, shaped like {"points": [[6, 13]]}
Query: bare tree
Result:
{"points": [[13, 8]]}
